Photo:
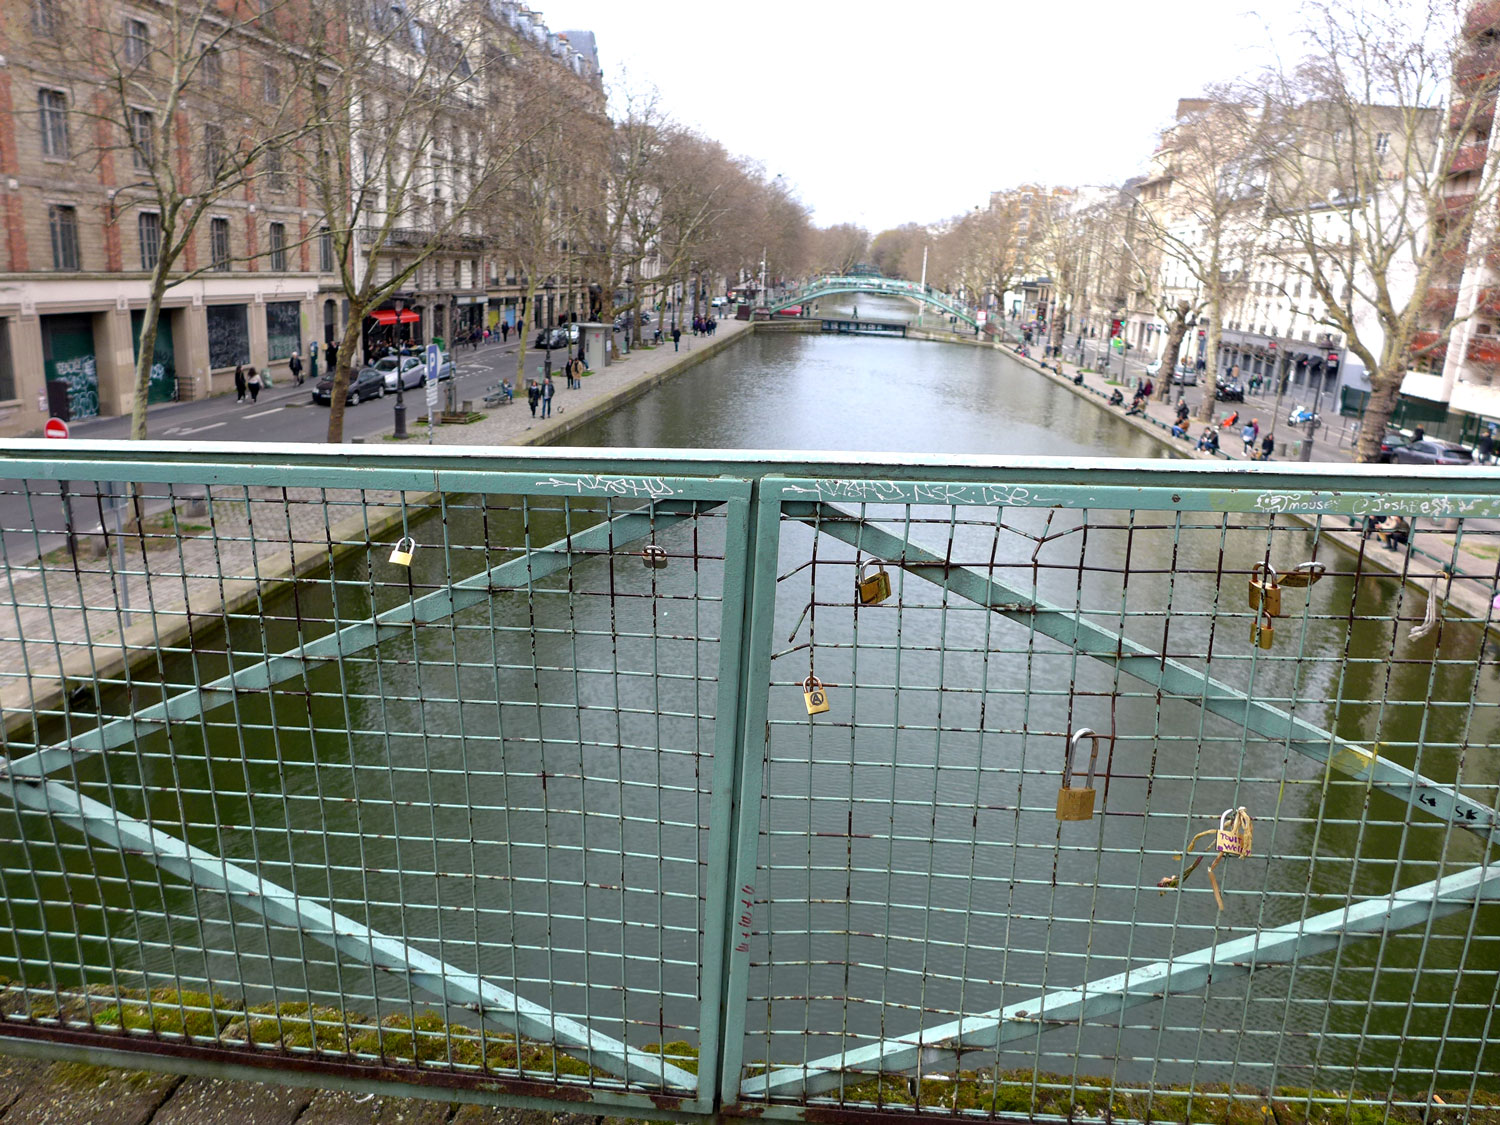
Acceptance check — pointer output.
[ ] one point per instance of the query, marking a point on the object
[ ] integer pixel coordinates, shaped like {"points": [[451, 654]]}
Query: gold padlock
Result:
{"points": [[874, 589], [1306, 574], [1265, 594], [1262, 633], [1077, 804], [814, 695], [405, 548], [1236, 833], [654, 557]]}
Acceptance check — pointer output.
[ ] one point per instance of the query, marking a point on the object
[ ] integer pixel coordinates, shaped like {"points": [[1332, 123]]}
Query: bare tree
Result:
{"points": [[1380, 194], [839, 248], [168, 112], [897, 252]]}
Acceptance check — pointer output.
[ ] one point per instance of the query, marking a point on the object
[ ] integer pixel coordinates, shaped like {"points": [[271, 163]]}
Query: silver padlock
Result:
{"points": [[406, 547], [654, 557]]}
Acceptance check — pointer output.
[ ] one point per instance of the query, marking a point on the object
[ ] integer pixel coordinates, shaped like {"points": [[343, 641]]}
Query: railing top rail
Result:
{"points": [[175, 460]]}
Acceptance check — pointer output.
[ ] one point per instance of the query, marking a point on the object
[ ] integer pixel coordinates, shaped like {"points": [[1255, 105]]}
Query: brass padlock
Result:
{"points": [[1236, 833], [1262, 633], [406, 547], [874, 589], [1265, 595], [814, 695], [1077, 804], [1306, 574], [654, 557]]}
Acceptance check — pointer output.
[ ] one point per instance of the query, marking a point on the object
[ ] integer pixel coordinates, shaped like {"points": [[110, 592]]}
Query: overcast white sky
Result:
{"points": [[881, 113]]}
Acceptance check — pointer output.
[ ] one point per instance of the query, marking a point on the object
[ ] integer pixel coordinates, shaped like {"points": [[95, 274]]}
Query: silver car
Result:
{"points": [[413, 370]]}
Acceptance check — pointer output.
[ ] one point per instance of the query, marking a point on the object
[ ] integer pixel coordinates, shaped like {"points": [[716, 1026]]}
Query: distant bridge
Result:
{"points": [[882, 286]]}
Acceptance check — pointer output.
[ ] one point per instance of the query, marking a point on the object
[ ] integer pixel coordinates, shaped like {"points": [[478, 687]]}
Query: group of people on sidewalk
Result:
{"points": [[539, 393]]}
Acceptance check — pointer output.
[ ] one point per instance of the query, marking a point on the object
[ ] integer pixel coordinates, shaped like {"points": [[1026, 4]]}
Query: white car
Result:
{"points": [[413, 370]]}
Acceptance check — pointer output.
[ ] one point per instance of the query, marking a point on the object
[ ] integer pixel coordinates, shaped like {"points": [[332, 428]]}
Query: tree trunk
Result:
{"points": [[341, 373], [1385, 389], [1211, 363], [1168, 366], [528, 302], [145, 354]]}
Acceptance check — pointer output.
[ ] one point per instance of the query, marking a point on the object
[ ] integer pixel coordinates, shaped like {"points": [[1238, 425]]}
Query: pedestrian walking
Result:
{"points": [[533, 395], [294, 365], [547, 391], [676, 337], [1247, 436], [504, 332], [1484, 447], [239, 383], [252, 380], [333, 357], [1268, 445]]}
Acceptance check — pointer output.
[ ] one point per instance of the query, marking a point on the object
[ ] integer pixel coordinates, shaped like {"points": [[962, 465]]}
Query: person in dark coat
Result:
{"points": [[547, 391], [533, 395], [676, 337], [294, 365], [1268, 445], [239, 383]]}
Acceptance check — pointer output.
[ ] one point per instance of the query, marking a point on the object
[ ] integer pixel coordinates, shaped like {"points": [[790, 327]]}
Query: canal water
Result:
{"points": [[525, 791]]}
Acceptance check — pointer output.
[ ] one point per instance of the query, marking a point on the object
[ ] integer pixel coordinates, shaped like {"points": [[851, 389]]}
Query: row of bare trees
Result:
{"points": [[1346, 194], [391, 135]]}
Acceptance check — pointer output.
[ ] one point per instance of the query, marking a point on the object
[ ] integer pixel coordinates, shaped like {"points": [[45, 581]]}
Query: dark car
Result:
{"points": [[1393, 440], [549, 338], [1230, 390], [369, 383], [1428, 452]]}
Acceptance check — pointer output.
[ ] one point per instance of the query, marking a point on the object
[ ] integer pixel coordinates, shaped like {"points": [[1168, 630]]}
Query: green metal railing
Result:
{"points": [[548, 815], [830, 286]]}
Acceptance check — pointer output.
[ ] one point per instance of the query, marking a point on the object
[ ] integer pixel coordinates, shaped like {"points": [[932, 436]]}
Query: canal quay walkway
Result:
{"points": [[1466, 577], [61, 628]]}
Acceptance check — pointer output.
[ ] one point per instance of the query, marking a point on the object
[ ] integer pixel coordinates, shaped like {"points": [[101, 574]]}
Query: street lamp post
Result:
{"points": [[400, 433]]}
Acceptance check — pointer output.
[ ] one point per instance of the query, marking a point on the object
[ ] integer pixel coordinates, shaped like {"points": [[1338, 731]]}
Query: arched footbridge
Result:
{"points": [[830, 286]]}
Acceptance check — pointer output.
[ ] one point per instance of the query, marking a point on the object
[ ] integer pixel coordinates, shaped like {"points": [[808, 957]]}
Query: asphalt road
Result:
{"points": [[284, 413]]}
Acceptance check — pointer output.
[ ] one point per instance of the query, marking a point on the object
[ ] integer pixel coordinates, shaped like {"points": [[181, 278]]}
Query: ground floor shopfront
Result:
{"points": [[68, 346]]}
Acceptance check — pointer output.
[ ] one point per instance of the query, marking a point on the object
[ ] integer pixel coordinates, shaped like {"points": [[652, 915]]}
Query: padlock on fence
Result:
{"points": [[406, 547], [874, 589], [1236, 833], [814, 695], [1078, 804], [1262, 632], [654, 557], [1265, 593], [1306, 574]]}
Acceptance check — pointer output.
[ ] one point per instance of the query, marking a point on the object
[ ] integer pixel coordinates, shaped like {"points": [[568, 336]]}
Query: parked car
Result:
{"points": [[368, 383], [1392, 441], [1429, 452], [549, 338], [1186, 375], [413, 370], [1229, 390], [719, 302]]}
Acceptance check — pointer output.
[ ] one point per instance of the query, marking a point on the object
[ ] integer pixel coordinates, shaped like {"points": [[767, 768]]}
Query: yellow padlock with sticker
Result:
{"points": [[1236, 833], [405, 548], [814, 695]]}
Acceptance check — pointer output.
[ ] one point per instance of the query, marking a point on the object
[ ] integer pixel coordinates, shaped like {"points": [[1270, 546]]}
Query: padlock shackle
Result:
{"points": [[1268, 568], [1227, 813], [859, 570], [406, 539], [812, 683], [1093, 757]]}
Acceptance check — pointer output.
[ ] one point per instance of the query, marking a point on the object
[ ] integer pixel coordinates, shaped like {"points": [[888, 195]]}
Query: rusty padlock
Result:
{"points": [[1236, 833], [874, 589], [1305, 575], [1265, 594], [654, 557], [1262, 632], [814, 695], [406, 547], [1078, 804]]}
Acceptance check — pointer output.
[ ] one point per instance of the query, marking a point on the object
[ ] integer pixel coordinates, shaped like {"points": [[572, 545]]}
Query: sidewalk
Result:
{"points": [[1465, 578]]}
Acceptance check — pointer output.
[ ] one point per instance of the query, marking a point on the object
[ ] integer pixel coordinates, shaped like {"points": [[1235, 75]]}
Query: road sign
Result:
{"points": [[55, 428]]}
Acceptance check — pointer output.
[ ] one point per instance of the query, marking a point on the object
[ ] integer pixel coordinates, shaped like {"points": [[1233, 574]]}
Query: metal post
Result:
{"points": [[400, 434]]}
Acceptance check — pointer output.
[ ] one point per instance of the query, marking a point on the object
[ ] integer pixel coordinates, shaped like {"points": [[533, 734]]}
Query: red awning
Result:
{"points": [[389, 316]]}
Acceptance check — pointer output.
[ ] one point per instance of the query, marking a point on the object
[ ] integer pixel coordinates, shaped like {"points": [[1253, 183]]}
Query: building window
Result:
{"points": [[64, 224], [275, 170], [137, 42], [44, 18], [219, 243], [325, 251], [270, 85], [52, 105], [7, 365], [212, 68], [149, 225], [141, 148], [1382, 143], [278, 247], [213, 152]]}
